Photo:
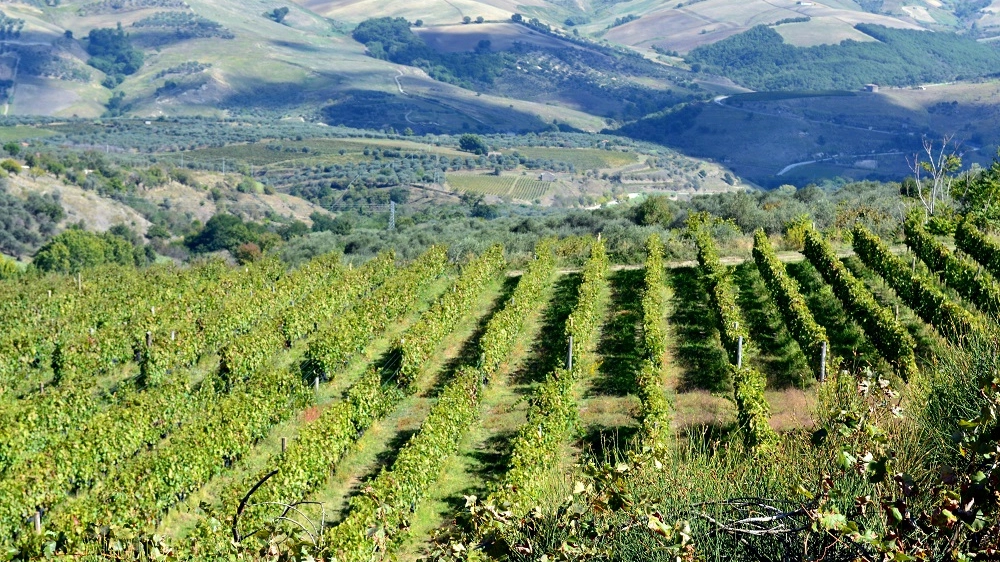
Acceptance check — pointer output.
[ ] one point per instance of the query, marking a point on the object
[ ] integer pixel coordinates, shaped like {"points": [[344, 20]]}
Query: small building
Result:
{"points": [[873, 88], [494, 154], [547, 176]]}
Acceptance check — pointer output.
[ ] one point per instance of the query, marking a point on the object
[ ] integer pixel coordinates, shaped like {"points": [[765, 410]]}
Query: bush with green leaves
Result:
{"points": [[74, 250]]}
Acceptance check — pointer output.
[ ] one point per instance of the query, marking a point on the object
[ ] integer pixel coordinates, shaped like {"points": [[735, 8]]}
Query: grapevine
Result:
{"points": [[785, 292], [919, 293], [888, 336]]}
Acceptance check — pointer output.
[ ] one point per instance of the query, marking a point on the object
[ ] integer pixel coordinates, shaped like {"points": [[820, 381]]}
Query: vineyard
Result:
{"points": [[474, 409], [516, 187]]}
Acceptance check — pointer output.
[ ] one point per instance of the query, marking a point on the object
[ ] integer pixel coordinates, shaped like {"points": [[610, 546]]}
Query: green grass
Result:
{"points": [[17, 133], [582, 158], [699, 351]]}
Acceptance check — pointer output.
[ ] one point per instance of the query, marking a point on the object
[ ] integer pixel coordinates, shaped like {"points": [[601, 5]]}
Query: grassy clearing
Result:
{"points": [[699, 352], [820, 31], [608, 409], [17, 133]]}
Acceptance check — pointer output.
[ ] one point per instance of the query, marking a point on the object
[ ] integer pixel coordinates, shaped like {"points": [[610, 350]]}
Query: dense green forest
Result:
{"points": [[759, 59], [391, 39], [112, 53]]}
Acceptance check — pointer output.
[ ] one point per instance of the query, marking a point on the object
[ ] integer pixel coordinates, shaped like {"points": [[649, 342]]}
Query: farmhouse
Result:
{"points": [[546, 176]]}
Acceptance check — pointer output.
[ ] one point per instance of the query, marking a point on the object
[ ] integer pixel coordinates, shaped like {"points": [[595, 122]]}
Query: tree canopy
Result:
{"points": [[473, 143], [112, 53], [74, 250], [760, 59]]}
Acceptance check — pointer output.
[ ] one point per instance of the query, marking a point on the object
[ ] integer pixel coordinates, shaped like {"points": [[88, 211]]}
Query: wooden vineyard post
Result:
{"points": [[739, 353], [569, 355], [37, 520], [913, 265], [316, 384], [284, 444], [822, 364], [897, 311], [149, 340]]}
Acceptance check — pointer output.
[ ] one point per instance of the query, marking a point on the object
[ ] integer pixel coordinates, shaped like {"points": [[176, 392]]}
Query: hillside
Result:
{"points": [[617, 68], [599, 386]]}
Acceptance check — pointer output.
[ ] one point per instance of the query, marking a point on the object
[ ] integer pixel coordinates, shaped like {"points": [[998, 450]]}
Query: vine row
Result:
{"points": [[978, 244], [397, 492], [919, 293], [421, 339], [798, 318], [656, 407], [350, 332], [552, 412], [753, 411], [888, 336], [963, 275]]}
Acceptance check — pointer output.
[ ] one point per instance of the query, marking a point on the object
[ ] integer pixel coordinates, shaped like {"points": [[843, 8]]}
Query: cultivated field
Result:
{"points": [[582, 158], [684, 28], [457, 38], [521, 188], [430, 11], [390, 394]]}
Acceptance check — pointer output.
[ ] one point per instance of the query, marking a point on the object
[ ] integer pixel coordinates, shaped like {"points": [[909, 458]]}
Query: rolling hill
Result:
{"points": [[601, 66]]}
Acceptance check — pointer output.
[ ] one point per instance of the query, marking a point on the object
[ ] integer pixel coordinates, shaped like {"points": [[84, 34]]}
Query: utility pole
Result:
{"points": [[392, 215]]}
